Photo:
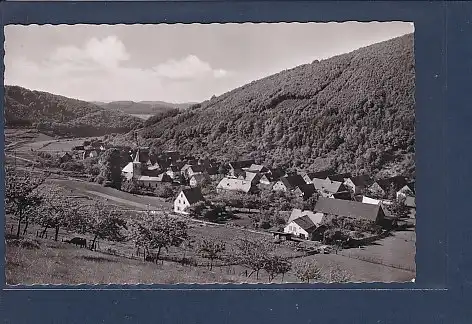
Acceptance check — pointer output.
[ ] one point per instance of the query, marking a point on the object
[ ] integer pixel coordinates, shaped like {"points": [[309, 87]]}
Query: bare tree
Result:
{"points": [[276, 265], [253, 254], [210, 250], [308, 271]]}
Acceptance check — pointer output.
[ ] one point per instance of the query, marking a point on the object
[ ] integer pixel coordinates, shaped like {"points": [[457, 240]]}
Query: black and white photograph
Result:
{"points": [[210, 153]]}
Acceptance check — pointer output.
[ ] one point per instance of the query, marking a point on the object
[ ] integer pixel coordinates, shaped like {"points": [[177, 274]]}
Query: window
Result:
{"points": [[178, 208]]}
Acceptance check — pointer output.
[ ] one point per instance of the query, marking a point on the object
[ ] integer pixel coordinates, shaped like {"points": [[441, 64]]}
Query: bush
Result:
{"points": [[100, 179], [72, 166]]}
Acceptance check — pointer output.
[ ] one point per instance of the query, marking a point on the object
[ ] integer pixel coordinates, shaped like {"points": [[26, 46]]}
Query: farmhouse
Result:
{"points": [[341, 177], [297, 213], [301, 227], [236, 166], [187, 198], [308, 177], [152, 182], [350, 209], [289, 183], [359, 183], [198, 179], [327, 188], [236, 185], [251, 177], [381, 187], [195, 169]]}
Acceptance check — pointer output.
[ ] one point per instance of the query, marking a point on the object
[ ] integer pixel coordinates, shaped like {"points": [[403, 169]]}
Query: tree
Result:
{"points": [[276, 265], [308, 271], [398, 208], [336, 274], [253, 254], [21, 195], [211, 250], [111, 167], [55, 211], [157, 233], [130, 186], [104, 222]]}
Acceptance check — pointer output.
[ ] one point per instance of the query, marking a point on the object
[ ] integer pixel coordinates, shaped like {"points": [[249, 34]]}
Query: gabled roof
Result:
{"points": [[305, 222], [159, 178], [361, 180], [397, 181], [197, 168], [339, 177], [251, 176], [316, 218], [318, 175], [307, 189], [328, 185], [276, 173], [347, 208], [235, 184], [241, 164], [199, 177], [293, 181], [345, 195], [193, 195], [256, 168]]}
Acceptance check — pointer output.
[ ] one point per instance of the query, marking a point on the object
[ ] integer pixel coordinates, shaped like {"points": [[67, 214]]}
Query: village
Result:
{"points": [[315, 197]]}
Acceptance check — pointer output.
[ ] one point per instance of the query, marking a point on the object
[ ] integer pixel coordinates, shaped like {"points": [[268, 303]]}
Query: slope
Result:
{"points": [[63, 116], [143, 107], [353, 112]]}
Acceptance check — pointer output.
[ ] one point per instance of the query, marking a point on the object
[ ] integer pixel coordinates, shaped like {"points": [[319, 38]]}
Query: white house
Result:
{"points": [[187, 198], [301, 227]]}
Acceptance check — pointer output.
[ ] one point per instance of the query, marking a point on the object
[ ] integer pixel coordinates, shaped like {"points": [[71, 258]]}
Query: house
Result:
{"points": [[257, 168], [173, 171], [407, 192], [187, 198], [65, 157], [89, 154], [289, 183], [341, 177], [345, 195], [305, 190], [373, 201], [308, 177], [251, 176], [132, 170], [152, 182], [198, 179], [359, 183], [239, 165], [195, 169], [297, 213], [301, 227], [236, 185], [266, 180], [350, 209], [382, 187], [328, 187]]}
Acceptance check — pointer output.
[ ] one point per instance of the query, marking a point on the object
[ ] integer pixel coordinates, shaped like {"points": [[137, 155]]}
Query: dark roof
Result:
{"points": [[305, 222], [347, 208], [411, 185], [345, 195], [307, 189], [193, 195], [241, 164], [398, 183], [212, 170], [361, 180], [339, 177], [319, 175], [293, 181], [276, 173], [197, 168]]}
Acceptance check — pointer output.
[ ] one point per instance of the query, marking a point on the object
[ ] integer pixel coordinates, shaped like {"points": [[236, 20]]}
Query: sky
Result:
{"points": [[172, 62]]}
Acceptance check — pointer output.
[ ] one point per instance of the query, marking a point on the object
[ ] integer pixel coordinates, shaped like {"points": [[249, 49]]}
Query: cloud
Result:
{"points": [[108, 52], [190, 67], [95, 71]]}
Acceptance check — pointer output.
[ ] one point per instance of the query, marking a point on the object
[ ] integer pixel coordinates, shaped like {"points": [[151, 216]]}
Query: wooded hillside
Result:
{"points": [[64, 116], [353, 112]]}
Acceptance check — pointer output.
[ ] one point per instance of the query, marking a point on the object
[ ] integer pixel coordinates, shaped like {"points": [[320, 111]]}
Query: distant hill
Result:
{"points": [[142, 107], [353, 112], [59, 115]]}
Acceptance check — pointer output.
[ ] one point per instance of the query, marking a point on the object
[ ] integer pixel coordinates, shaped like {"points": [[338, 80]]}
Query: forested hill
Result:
{"points": [[64, 116], [353, 112], [143, 107]]}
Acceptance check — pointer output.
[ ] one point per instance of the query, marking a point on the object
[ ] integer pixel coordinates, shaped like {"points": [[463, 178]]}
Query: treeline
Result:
{"points": [[353, 112], [58, 115]]}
